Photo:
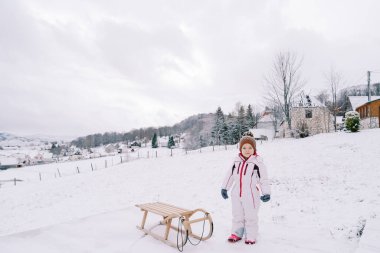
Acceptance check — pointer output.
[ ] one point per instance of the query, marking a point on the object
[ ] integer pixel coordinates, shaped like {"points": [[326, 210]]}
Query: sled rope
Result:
{"points": [[180, 224]]}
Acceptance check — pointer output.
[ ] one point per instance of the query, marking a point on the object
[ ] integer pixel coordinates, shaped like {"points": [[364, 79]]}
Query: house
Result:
{"points": [[9, 162], [266, 120], [369, 111], [163, 141], [308, 117], [123, 148], [110, 148], [266, 125], [135, 144]]}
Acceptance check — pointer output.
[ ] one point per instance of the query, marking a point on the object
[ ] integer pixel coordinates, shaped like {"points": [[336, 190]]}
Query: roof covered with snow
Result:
{"points": [[266, 118], [357, 101], [308, 101]]}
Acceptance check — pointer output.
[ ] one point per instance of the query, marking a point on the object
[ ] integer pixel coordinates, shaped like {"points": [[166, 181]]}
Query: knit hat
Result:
{"points": [[247, 138]]}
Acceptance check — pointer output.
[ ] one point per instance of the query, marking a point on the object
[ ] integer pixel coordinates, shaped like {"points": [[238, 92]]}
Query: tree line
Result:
{"points": [[229, 129], [142, 135]]}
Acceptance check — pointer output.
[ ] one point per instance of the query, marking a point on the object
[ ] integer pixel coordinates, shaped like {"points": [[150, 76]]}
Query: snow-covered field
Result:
{"points": [[326, 191]]}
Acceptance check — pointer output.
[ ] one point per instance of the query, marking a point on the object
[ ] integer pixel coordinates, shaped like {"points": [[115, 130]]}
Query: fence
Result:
{"points": [[64, 169]]}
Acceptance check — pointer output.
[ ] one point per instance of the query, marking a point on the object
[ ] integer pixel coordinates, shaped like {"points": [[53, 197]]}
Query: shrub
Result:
{"points": [[352, 121]]}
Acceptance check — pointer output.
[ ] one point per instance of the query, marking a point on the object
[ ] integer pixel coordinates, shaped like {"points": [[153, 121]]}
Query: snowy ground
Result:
{"points": [[326, 189]]}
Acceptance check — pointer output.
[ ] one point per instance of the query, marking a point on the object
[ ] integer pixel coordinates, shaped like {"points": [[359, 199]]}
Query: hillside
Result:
{"points": [[196, 127], [325, 198], [192, 129], [12, 140]]}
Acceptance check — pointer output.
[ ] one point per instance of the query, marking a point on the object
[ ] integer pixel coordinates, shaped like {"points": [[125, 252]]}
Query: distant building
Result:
{"points": [[308, 117], [135, 144], [110, 148], [266, 126], [369, 111]]}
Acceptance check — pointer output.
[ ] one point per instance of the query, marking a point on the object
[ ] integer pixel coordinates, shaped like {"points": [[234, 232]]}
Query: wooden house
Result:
{"points": [[369, 111]]}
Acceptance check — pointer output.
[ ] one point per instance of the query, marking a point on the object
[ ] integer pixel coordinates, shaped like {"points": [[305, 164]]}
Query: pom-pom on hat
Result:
{"points": [[247, 138]]}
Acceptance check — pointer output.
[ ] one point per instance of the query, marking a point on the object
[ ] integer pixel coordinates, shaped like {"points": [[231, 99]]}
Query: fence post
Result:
{"points": [[40, 176], [78, 169], [14, 181], [171, 152], [92, 167], [59, 173], [121, 159]]}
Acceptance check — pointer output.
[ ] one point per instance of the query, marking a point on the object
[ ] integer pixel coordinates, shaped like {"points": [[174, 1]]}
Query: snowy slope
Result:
{"points": [[325, 189]]}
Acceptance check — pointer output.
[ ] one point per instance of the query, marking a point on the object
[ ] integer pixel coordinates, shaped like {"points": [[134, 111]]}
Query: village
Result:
{"points": [[309, 117]]}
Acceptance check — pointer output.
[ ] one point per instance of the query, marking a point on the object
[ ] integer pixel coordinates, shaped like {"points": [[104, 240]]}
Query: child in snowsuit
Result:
{"points": [[247, 176]]}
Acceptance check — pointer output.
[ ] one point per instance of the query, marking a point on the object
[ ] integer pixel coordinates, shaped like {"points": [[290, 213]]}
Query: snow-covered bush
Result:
{"points": [[352, 121]]}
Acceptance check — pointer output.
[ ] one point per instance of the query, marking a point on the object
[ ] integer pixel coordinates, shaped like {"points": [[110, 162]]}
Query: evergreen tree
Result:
{"points": [[241, 122], [154, 141], [202, 142], [352, 121], [55, 149], [250, 119], [233, 132], [220, 126], [225, 134], [171, 142]]}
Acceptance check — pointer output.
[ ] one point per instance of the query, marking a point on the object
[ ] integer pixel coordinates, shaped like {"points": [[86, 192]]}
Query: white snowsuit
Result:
{"points": [[248, 177]]}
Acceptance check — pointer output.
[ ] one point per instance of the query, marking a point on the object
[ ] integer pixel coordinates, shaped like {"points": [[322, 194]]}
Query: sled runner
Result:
{"points": [[170, 213]]}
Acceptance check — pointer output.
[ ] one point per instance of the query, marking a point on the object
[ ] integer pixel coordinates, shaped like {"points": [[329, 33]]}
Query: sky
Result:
{"points": [[72, 68]]}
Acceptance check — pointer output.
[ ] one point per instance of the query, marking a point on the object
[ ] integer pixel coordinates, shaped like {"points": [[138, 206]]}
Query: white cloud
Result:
{"points": [[69, 67]]}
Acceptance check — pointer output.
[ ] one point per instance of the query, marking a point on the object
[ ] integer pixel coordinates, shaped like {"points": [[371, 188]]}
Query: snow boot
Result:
{"points": [[234, 238]]}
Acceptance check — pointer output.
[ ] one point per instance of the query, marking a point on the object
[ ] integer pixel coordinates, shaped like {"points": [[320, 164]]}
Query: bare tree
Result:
{"points": [[323, 97], [284, 82], [334, 80]]}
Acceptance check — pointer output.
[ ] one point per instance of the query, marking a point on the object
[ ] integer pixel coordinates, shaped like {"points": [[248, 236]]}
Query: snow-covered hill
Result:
{"points": [[326, 192], [14, 141], [11, 140]]}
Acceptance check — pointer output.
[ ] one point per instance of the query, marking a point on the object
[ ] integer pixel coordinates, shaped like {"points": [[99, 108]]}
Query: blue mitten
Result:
{"points": [[224, 193], [265, 198]]}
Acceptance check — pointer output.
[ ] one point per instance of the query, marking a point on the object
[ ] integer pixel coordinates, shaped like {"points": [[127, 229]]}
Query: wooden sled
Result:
{"points": [[170, 212]]}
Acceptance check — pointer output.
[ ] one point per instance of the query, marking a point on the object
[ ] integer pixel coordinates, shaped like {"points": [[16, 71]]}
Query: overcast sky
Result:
{"points": [[82, 67]]}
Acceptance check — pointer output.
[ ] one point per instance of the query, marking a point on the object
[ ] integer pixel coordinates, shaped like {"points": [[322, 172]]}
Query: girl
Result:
{"points": [[247, 176]]}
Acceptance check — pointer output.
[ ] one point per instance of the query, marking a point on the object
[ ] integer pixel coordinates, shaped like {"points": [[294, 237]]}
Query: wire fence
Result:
{"points": [[17, 176]]}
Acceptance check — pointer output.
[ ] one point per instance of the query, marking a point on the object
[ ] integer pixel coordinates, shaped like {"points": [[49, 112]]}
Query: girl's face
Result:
{"points": [[247, 150]]}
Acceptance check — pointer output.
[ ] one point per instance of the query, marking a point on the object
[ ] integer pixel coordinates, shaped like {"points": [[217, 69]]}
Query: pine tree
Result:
{"points": [[233, 132], [202, 142], [241, 122], [218, 131], [154, 141], [171, 142], [250, 119], [225, 134]]}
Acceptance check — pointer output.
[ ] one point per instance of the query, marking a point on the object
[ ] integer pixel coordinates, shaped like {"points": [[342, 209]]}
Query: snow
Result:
{"points": [[258, 132], [325, 191], [357, 101]]}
